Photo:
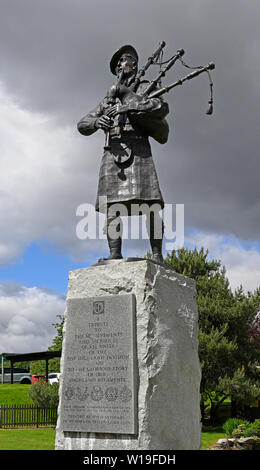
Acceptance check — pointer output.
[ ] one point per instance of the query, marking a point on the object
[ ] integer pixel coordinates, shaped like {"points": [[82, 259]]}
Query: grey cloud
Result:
{"points": [[14, 289], [10, 288], [27, 316]]}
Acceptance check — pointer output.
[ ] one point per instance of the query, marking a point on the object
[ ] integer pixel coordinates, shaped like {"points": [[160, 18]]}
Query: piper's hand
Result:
{"points": [[104, 122], [117, 109], [113, 111]]}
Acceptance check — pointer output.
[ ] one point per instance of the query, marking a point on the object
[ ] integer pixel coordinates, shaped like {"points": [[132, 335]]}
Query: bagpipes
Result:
{"points": [[152, 91]]}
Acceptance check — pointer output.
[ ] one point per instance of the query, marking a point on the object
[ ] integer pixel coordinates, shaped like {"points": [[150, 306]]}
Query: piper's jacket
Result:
{"points": [[127, 173]]}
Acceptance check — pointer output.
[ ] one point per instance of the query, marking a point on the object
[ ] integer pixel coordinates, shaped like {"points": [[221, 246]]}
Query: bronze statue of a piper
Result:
{"points": [[132, 111], [127, 173]]}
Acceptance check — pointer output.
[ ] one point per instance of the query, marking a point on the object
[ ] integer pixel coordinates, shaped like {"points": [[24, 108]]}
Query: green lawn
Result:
{"points": [[27, 439], [44, 439], [15, 394], [211, 435]]}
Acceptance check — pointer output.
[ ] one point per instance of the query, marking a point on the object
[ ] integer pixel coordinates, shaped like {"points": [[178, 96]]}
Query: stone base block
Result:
{"points": [[166, 364]]}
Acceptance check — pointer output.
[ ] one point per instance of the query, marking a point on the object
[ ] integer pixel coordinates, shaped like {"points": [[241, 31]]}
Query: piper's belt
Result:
{"points": [[117, 133], [125, 135]]}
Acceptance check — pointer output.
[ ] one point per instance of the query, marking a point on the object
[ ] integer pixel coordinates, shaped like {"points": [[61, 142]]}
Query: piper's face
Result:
{"points": [[128, 63]]}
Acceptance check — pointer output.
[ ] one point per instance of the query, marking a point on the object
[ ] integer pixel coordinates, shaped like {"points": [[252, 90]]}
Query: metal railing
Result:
{"points": [[12, 416]]}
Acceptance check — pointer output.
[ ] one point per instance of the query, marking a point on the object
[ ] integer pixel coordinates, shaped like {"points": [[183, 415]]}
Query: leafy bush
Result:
{"points": [[241, 430], [253, 429], [231, 424], [45, 395], [237, 428]]}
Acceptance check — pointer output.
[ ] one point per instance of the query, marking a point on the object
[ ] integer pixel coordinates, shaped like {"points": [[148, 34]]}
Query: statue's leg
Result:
{"points": [[113, 229], [155, 229]]}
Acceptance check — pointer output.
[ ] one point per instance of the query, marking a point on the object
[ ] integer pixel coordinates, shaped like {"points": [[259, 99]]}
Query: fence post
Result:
{"points": [[0, 416], [3, 369], [37, 417]]}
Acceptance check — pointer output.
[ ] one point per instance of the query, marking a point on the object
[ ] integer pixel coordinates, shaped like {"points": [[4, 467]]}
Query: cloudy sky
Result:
{"points": [[54, 68]]}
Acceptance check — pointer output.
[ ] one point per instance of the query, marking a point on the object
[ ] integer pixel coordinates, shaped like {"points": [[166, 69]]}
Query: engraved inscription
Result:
{"points": [[99, 383]]}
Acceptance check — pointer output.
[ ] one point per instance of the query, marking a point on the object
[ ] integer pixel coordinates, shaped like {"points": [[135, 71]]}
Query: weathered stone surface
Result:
{"points": [[167, 355]]}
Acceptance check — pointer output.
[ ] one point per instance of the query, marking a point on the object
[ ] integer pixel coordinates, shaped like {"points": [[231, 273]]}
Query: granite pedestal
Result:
{"points": [[130, 372]]}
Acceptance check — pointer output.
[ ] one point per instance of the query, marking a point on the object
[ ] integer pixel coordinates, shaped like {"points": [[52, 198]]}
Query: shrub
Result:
{"points": [[45, 395], [231, 424], [241, 430], [253, 429], [237, 428], [256, 427]]}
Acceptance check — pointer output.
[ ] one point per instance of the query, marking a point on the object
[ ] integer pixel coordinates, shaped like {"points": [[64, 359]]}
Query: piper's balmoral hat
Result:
{"points": [[127, 49]]}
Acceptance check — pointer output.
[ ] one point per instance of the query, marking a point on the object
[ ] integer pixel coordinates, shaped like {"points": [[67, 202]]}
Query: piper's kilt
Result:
{"points": [[127, 174]]}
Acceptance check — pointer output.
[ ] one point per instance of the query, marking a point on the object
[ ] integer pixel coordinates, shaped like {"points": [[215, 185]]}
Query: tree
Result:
{"points": [[254, 329], [57, 340], [227, 352], [57, 343]]}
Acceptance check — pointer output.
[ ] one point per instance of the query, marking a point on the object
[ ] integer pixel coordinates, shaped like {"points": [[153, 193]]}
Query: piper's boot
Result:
{"points": [[115, 248], [156, 246], [114, 243], [156, 236]]}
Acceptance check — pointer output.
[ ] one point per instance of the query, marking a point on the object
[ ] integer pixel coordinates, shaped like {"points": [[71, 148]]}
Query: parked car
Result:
{"points": [[53, 377], [20, 376], [38, 378]]}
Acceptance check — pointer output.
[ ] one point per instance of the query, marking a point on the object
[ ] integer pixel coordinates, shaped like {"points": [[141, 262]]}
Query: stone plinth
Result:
{"points": [[162, 377]]}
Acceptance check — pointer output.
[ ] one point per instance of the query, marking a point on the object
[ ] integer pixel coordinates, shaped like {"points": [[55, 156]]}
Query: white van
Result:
{"points": [[53, 377]]}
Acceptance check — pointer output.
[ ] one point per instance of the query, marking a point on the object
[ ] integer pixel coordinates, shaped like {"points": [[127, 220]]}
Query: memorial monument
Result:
{"points": [[130, 372]]}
